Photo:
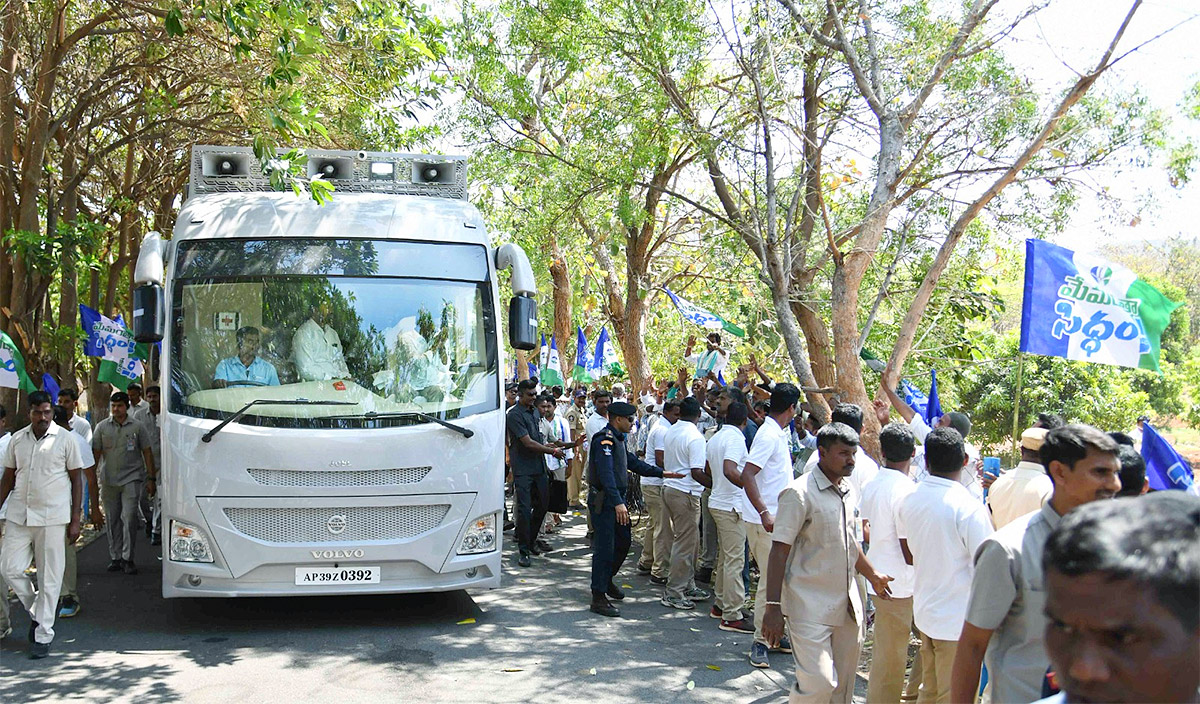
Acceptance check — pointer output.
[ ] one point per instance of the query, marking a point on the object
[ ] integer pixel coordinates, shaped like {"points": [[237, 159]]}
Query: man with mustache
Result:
{"points": [[1005, 612]]}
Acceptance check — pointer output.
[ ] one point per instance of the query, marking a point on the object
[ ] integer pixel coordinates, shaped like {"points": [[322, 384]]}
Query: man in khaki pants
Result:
{"points": [[767, 472], [726, 457], [880, 501], [684, 455], [656, 544], [576, 417], [814, 557]]}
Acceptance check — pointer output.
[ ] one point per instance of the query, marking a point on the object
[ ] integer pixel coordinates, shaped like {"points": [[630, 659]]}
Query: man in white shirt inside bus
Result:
{"points": [[317, 349]]}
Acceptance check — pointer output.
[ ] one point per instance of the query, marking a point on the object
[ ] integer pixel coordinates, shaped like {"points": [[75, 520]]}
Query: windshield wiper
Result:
{"points": [[207, 437], [372, 415]]}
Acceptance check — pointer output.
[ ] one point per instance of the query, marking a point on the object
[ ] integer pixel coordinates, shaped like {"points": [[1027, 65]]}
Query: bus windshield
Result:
{"points": [[389, 327]]}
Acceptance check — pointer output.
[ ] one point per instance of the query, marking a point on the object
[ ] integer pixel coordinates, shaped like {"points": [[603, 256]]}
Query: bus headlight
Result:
{"points": [[480, 536], [188, 543]]}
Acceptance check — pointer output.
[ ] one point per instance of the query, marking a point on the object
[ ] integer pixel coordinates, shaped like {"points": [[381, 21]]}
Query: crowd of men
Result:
{"points": [[49, 467], [1055, 579]]}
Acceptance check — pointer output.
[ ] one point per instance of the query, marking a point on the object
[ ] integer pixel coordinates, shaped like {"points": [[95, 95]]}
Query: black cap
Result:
{"points": [[621, 408]]}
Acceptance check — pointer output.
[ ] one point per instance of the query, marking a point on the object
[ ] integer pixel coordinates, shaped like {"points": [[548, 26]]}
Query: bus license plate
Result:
{"points": [[306, 576]]}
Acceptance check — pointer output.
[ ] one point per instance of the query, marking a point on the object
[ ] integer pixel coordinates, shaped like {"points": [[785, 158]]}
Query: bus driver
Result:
{"points": [[246, 368]]}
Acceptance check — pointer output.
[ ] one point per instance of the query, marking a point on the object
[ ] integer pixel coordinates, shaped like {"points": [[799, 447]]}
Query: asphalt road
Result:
{"points": [[531, 640]]}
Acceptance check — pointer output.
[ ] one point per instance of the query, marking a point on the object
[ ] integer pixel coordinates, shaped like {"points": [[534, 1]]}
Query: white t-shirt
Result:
{"points": [[85, 452], [706, 361], [865, 469], [595, 423], [656, 441], [80, 425], [770, 452], [919, 471], [728, 444], [880, 504], [684, 451], [944, 526]]}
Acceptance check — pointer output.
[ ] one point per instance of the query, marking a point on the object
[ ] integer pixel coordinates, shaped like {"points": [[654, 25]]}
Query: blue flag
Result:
{"points": [[93, 346], [1165, 468], [933, 410], [50, 386], [914, 397]]}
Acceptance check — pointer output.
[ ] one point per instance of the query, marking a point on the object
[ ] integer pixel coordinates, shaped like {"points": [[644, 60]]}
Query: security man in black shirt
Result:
{"points": [[608, 474]]}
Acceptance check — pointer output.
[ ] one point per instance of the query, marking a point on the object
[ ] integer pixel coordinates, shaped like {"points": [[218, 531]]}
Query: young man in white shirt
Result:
{"points": [[865, 468], [767, 472], [953, 419], [42, 484], [942, 525], [684, 454], [656, 543], [712, 360], [879, 505], [69, 399], [68, 603], [726, 457], [317, 348]]}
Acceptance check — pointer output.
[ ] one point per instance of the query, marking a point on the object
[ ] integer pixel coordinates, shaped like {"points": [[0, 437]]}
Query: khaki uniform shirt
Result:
{"points": [[1018, 492], [817, 519], [122, 445]]}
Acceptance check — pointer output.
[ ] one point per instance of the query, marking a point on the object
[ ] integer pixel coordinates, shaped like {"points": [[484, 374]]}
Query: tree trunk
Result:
{"points": [[68, 301], [561, 281]]}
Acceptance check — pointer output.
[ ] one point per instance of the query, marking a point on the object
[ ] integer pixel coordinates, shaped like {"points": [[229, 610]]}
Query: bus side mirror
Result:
{"points": [[522, 323], [148, 313]]}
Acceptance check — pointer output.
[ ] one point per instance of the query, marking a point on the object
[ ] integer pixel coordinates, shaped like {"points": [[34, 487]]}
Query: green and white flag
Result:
{"points": [[12, 367], [704, 318], [1080, 306], [552, 367]]}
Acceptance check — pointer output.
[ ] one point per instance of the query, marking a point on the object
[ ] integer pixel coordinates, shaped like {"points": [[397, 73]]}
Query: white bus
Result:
{"points": [[331, 388]]}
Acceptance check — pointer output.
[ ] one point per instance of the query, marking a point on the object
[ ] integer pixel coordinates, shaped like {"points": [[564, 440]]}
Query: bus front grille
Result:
{"points": [[350, 524], [345, 477]]}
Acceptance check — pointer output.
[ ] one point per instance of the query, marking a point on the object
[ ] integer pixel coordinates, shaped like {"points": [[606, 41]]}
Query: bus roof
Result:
{"points": [[345, 215]]}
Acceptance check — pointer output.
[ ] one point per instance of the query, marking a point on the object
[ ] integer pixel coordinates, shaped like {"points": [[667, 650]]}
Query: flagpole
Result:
{"points": [[1017, 405]]}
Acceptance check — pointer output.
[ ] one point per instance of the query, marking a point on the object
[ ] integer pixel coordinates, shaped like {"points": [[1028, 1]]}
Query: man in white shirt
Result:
{"points": [[767, 472], [68, 603], [879, 505], [684, 454], [954, 419], [726, 457], [656, 544], [137, 401], [601, 400], [942, 525], [865, 468], [1024, 488], [317, 349], [711, 361], [42, 484], [68, 399]]}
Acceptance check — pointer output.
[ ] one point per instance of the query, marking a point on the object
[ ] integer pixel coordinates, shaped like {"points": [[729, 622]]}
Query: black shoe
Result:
{"points": [[129, 567], [524, 560], [115, 565], [658, 580], [614, 592], [156, 539], [602, 606], [542, 545], [37, 651], [509, 525], [704, 574]]}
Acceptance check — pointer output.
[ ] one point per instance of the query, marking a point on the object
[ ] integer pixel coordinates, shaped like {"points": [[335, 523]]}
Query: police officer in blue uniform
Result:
{"points": [[608, 474]]}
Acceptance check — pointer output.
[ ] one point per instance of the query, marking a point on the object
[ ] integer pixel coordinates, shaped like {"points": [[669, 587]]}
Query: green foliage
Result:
{"points": [[1103, 396]]}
